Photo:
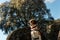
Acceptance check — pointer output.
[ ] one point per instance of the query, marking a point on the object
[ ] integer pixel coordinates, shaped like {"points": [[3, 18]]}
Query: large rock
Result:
{"points": [[20, 34]]}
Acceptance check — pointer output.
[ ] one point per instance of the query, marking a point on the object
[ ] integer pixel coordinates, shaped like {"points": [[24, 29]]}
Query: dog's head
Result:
{"points": [[32, 22]]}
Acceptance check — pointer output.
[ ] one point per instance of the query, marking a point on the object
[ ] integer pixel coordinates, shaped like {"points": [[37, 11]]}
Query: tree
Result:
{"points": [[17, 14]]}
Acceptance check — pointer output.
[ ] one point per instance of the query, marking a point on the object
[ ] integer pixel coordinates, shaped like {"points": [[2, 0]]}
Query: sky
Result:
{"points": [[53, 5], [2, 35]]}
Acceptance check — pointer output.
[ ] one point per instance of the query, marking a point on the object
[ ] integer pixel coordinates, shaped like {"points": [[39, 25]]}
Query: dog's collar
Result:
{"points": [[33, 27]]}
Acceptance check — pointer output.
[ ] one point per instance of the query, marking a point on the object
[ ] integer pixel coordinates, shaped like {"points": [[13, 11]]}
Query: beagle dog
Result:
{"points": [[35, 34]]}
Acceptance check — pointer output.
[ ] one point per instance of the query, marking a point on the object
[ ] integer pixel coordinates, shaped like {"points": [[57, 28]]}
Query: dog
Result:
{"points": [[35, 33]]}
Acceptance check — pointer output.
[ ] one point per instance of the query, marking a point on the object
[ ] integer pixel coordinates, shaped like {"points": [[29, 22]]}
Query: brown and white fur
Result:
{"points": [[35, 34]]}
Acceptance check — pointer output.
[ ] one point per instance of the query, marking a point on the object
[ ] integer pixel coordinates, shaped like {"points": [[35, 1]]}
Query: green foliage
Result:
{"points": [[18, 13]]}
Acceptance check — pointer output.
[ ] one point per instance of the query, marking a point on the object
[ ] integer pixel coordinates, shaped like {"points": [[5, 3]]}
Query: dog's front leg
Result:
{"points": [[32, 38], [40, 37]]}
